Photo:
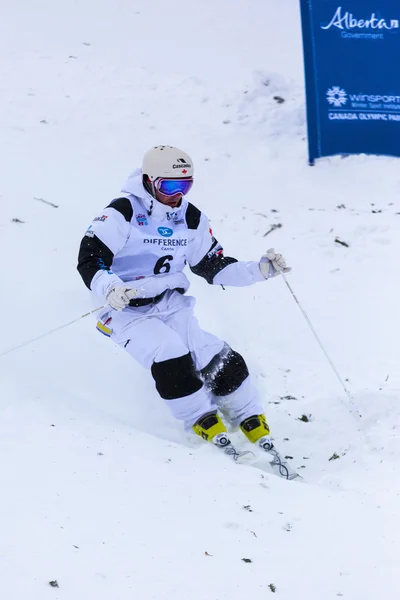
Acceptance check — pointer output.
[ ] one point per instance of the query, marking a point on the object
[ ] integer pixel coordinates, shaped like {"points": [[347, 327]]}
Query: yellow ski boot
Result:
{"points": [[256, 430], [209, 426], [212, 429]]}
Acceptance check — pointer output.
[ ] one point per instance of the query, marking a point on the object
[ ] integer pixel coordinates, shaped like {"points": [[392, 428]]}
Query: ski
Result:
{"points": [[222, 442], [278, 465]]}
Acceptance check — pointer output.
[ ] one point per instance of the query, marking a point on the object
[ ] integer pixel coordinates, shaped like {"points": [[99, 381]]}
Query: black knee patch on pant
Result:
{"points": [[225, 373], [176, 377]]}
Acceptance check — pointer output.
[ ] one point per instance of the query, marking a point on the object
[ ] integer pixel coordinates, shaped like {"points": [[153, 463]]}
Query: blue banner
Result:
{"points": [[352, 71]]}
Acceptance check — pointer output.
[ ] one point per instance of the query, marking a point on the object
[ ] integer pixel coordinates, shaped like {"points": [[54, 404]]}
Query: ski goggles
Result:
{"points": [[170, 187]]}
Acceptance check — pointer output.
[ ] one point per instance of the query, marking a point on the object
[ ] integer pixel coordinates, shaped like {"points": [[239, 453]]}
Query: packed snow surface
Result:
{"points": [[100, 489]]}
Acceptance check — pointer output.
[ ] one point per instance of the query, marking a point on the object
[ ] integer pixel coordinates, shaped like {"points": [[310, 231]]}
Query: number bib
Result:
{"points": [[152, 248]]}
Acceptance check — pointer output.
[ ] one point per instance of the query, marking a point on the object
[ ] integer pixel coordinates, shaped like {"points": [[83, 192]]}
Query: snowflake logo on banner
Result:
{"points": [[336, 96]]}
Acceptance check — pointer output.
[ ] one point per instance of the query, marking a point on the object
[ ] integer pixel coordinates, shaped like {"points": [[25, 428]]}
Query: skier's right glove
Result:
{"points": [[119, 296], [272, 264]]}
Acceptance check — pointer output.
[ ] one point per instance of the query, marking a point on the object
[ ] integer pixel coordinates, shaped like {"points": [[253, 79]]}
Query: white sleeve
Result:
{"points": [[148, 287], [207, 260], [103, 281], [239, 274]]}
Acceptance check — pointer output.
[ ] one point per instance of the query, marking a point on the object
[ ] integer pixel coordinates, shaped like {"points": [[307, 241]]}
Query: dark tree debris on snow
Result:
{"points": [[304, 418], [272, 587], [247, 560], [54, 583], [272, 228], [334, 456], [15, 220], [46, 202], [342, 243], [279, 99]]}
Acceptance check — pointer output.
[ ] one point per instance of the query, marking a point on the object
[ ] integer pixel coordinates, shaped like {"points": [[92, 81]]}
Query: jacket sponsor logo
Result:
{"points": [[141, 220], [89, 232], [216, 250], [103, 266], [174, 216], [102, 218], [165, 231], [103, 327], [159, 242]]}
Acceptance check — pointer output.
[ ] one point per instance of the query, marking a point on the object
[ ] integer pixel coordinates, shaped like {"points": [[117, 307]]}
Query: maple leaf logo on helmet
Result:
{"points": [[162, 161]]}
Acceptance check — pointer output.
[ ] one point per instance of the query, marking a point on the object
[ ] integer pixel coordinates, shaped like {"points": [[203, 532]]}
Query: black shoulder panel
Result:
{"points": [[123, 206], [94, 256], [209, 266], [193, 215]]}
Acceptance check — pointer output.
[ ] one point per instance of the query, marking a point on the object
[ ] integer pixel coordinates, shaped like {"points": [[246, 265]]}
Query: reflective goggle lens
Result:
{"points": [[170, 187]]}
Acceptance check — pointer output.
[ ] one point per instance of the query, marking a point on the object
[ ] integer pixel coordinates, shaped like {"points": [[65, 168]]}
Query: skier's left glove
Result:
{"points": [[118, 296], [272, 264]]}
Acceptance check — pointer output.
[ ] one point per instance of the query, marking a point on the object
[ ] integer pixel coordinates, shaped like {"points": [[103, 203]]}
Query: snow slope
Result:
{"points": [[100, 489]]}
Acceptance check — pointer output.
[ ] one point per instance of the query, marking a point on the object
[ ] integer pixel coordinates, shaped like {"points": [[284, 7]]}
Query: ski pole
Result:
{"points": [[39, 337], [353, 408]]}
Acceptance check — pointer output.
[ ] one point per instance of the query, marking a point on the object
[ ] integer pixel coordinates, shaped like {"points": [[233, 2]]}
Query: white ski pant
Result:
{"points": [[166, 338]]}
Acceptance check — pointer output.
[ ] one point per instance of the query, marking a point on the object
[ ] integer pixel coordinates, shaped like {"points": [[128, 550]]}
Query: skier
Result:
{"points": [[133, 256]]}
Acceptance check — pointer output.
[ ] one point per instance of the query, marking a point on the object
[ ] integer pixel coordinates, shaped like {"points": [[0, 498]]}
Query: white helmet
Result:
{"points": [[166, 161]]}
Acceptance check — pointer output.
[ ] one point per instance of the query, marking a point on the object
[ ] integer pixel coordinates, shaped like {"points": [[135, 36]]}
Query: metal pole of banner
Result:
{"points": [[43, 335]]}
